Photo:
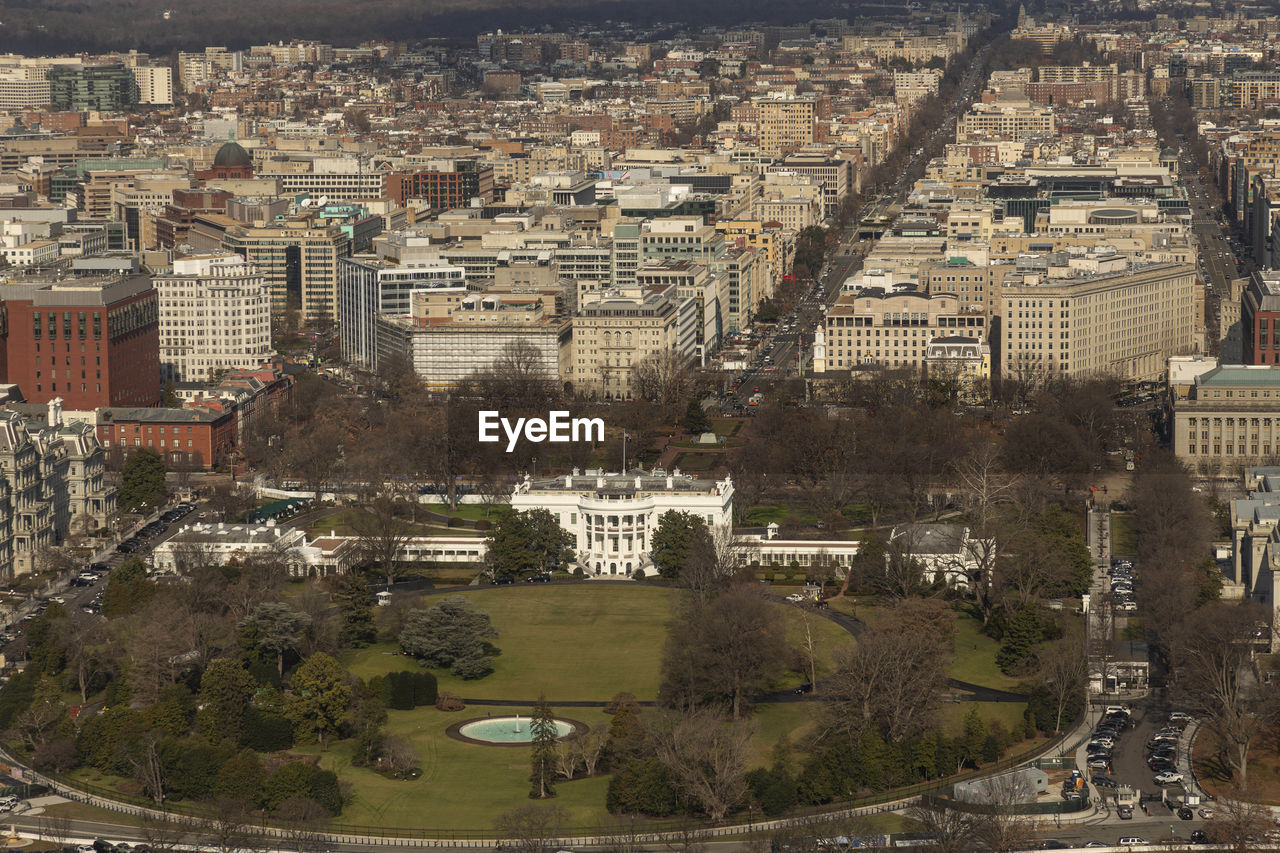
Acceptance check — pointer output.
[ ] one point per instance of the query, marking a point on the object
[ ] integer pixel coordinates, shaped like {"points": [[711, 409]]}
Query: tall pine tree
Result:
{"points": [[355, 601], [542, 775]]}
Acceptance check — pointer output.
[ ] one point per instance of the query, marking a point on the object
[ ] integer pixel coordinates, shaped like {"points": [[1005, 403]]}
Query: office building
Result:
{"points": [[298, 259], [91, 341], [369, 285], [215, 316], [108, 88], [1122, 324]]}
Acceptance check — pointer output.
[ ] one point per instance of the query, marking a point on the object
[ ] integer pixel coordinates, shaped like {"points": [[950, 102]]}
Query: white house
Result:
{"points": [[219, 544], [612, 516], [940, 549]]}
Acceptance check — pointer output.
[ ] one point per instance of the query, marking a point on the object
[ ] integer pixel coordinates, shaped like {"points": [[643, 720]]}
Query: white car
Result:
{"points": [[1168, 777], [795, 598]]}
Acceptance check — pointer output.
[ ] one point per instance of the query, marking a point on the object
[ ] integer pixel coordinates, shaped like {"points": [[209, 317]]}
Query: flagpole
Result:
{"points": [[624, 452]]}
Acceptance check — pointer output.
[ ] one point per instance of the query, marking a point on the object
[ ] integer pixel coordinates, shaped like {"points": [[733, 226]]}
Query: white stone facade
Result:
{"points": [[215, 314], [612, 517]]}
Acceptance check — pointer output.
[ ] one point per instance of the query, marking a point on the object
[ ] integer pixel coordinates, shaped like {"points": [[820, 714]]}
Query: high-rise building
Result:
{"points": [[91, 341], [785, 125], [299, 261], [1260, 318], [109, 88], [369, 286], [215, 315], [155, 84], [1123, 324]]}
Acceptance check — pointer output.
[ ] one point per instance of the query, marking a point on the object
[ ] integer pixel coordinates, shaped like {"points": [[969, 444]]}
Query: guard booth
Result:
{"points": [[384, 598]]}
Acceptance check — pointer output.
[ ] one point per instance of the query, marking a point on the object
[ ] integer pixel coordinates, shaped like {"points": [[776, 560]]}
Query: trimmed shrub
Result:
{"points": [[449, 702], [425, 690]]}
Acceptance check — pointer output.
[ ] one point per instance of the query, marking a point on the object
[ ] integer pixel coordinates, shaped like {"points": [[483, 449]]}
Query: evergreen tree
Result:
{"points": [[1021, 634], [695, 418], [355, 602], [542, 773], [142, 485], [672, 540], [975, 735], [226, 690], [319, 699], [453, 633], [525, 543]]}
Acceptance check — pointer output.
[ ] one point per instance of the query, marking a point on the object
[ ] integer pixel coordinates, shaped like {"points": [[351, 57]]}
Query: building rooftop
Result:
{"points": [[1239, 375], [623, 484]]}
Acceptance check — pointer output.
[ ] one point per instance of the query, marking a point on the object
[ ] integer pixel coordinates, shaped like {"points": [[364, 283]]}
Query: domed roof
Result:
{"points": [[232, 154]]}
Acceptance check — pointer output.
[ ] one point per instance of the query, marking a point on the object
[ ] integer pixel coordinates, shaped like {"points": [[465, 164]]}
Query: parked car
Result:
{"points": [[1102, 780], [1186, 813], [795, 598], [544, 577], [503, 579], [1132, 841], [1169, 777], [1099, 763]]}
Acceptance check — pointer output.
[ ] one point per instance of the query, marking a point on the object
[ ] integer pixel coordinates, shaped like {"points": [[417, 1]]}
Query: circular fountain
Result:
{"points": [[504, 731]]}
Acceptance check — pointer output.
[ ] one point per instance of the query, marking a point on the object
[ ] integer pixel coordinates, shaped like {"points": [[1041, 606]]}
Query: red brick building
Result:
{"points": [[1260, 319], [198, 437], [91, 341], [230, 162], [452, 184]]}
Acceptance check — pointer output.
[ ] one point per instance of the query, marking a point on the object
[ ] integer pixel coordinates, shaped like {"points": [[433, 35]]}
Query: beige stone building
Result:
{"points": [[299, 262], [890, 329], [1124, 324], [785, 125], [617, 329], [1013, 120], [1230, 418], [448, 338]]}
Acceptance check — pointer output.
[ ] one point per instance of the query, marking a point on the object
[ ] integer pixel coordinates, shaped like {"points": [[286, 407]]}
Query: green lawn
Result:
{"points": [[1009, 713], [572, 643], [580, 643], [1124, 540], [463, 786], [975, 657]]}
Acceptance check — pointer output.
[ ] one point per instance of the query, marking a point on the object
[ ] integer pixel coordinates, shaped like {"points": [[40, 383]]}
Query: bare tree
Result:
{"points": [[1238, 821], [229, 827], [383, 532], [706, 759], [951, 829], [148, 768], [1219, 677], [88, 644], [531, 828], [998, 826], [55, 828], [1063, 670], [591, 746], [303, 822], [726, 651], [399, 754], [568, 756], [663, 378], [165, 832], [896, 675]]}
